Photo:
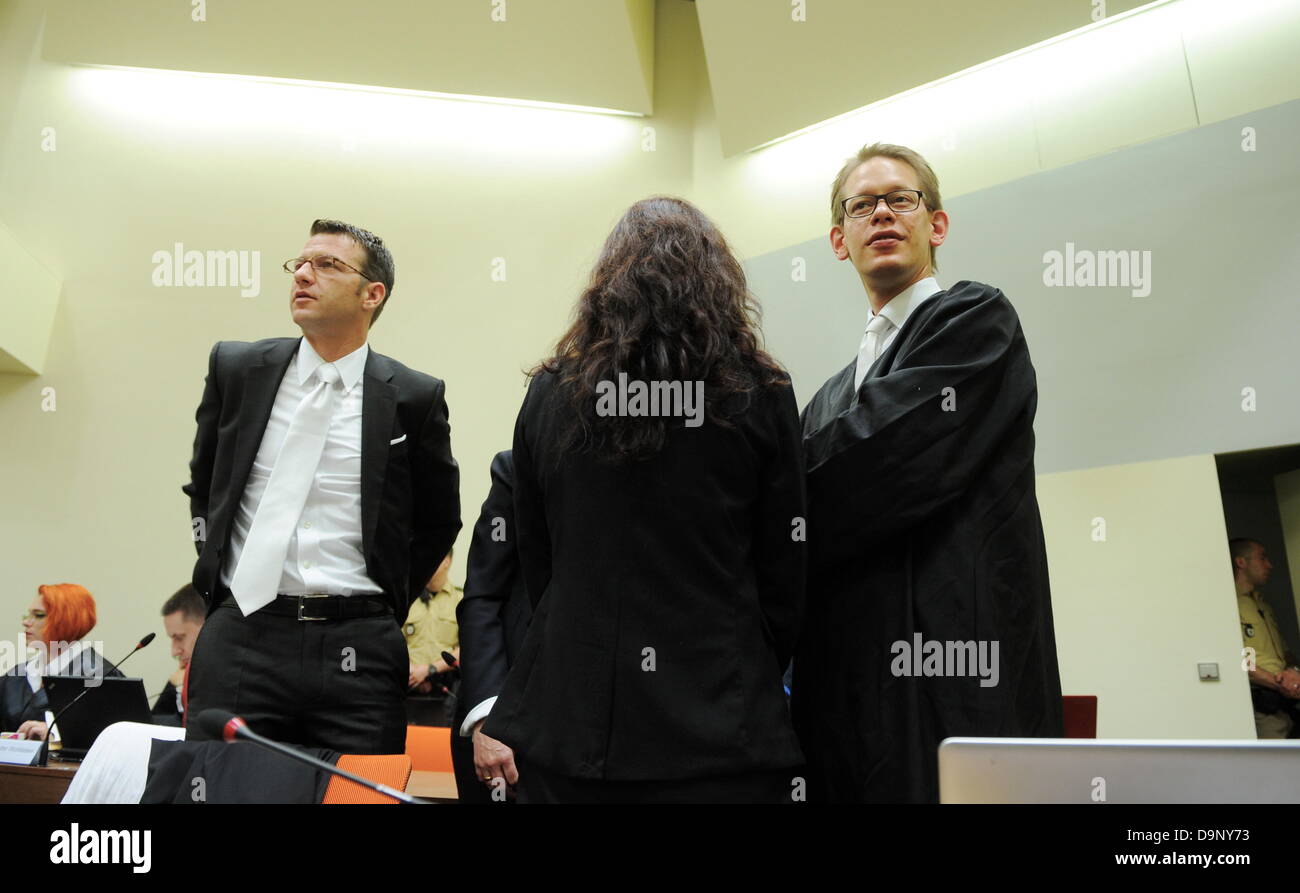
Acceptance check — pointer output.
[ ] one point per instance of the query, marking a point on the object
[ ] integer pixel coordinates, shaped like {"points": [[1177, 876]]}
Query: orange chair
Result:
{"points": [[393, 770], [429, 748], [1080, 716]]}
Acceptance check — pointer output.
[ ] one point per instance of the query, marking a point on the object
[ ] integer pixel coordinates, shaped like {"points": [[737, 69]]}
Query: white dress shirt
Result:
{"points": [[897, 310], [325, 549], [36, 666], [480, 711]]}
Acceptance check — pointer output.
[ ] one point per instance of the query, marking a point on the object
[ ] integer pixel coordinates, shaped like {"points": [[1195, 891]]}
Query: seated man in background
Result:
{"points": [[431, 629], [1274, 679], [182, 615]]}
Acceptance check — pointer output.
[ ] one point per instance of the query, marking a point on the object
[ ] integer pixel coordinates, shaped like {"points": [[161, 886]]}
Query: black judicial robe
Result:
{"points": [[922, 519]]}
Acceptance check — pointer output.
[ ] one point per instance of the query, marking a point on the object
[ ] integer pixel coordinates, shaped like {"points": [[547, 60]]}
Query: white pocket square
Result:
{"points": [[397, 441]]}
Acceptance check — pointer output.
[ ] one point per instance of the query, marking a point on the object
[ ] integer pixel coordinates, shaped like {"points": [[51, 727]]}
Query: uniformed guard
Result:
{"points": [[1274, 677], [431, 629]]}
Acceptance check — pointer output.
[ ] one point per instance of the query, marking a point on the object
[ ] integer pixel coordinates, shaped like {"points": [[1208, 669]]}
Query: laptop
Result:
{"points": [[1083, 770], [114, 699]]}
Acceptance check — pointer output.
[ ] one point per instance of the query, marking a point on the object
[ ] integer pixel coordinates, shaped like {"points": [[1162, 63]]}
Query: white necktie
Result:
{"points": [[256, 580], [873, 343]]}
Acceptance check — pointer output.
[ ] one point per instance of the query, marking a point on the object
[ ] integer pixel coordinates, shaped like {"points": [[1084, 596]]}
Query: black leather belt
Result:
{"points": [[328, 607]]}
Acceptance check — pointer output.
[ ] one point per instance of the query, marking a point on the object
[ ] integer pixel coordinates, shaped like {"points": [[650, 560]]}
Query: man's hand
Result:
{"points": [[418, 675], [492, 759], [1289, 683], [1264, 679], [37, 730]]}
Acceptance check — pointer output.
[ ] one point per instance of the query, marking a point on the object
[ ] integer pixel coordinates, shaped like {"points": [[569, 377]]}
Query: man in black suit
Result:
{"points": [[493, 617], [323, 479], [929, 611]]}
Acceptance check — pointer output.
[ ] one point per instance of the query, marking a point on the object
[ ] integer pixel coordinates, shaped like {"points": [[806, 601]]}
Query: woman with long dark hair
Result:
{"points": [[659, 504]]}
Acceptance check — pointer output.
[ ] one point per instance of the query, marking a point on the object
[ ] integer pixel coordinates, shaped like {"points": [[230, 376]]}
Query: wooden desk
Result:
{"points": [[439, 786], [37, 784], [34, 784]]}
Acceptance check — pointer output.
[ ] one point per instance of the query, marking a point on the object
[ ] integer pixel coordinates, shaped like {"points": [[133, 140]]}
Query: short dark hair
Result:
{"points": [[188, 601], [1239, 547], [378, 265]]}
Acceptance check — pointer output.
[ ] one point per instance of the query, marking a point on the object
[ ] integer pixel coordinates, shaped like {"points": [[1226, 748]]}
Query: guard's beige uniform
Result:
{"points": [[1259, 631], [431, 627]]}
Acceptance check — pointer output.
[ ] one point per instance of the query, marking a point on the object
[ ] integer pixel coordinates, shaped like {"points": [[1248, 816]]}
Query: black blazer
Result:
{"points": [[667, 596], [410, 491], [493, 616], [15, 693]]}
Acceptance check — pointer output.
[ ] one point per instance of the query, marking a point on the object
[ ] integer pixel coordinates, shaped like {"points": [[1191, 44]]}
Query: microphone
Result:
{"points": [[452, 665], [229, 727], [45, 745]]}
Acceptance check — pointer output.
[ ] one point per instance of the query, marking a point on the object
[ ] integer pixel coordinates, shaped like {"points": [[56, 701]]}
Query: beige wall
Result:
{"points": [[1137, 610], [144, 160], [1156, 72]]}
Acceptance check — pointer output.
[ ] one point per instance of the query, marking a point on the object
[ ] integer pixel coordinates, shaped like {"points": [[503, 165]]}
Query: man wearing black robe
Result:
{"points": [[923, 526]]}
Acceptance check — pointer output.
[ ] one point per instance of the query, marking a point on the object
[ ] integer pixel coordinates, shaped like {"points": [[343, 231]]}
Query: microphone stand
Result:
{"points": [[45, 744], [237, 728]]}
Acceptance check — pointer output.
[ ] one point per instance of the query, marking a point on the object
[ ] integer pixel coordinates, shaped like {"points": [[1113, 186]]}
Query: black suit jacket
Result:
{"points": [[667, 596], [410, 491], [493, 616]]}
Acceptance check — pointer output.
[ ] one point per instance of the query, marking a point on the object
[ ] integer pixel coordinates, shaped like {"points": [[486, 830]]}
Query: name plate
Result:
{"points": [[19, 751]]}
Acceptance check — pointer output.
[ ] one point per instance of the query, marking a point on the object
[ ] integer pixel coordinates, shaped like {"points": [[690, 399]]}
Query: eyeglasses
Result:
{"points": [[323, 263], [35, 616], [900, 200]]}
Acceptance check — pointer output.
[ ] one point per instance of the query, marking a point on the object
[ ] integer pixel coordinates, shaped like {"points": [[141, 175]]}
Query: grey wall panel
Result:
{"points": [[1121, 378]]}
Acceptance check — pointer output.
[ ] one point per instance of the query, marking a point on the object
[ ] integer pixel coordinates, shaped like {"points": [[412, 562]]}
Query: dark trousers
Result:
{"points": [[538, 785], [338, 684]]}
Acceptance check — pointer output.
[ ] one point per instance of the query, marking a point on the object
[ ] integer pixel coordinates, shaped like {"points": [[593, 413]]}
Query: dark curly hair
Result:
{"points": [[667, 301]]}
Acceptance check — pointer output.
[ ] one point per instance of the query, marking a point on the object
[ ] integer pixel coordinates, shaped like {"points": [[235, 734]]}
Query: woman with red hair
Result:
{"points": [[55, 624]]}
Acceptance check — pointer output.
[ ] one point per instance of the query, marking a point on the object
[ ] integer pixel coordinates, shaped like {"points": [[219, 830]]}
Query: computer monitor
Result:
{"points": [[111, 699]]}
